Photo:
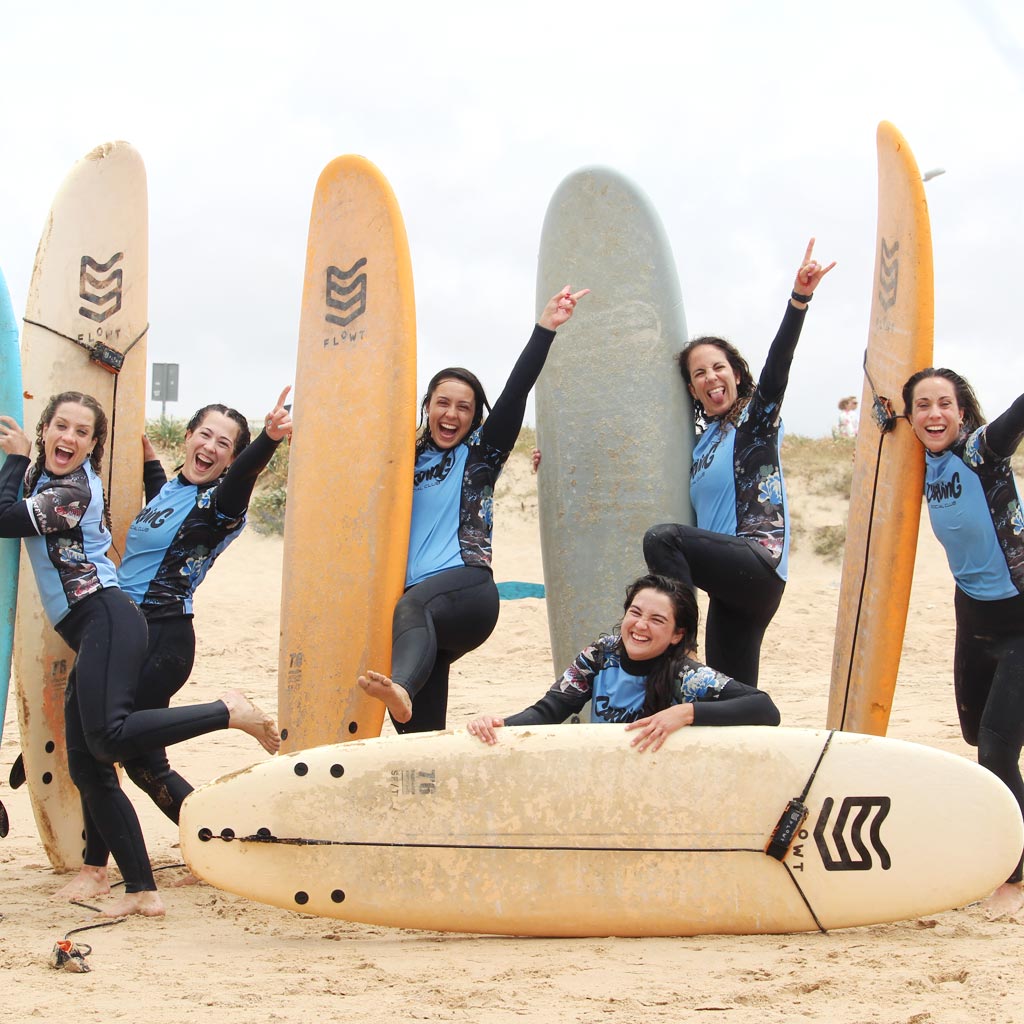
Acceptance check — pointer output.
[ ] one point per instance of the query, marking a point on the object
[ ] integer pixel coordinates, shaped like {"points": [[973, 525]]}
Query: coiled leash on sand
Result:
{"points": [[70, 956]]}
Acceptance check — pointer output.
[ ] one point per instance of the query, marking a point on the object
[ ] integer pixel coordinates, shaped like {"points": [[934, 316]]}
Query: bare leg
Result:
{"points": [[89, 882], [395, 699], [1005, 902], [146, 903], [244, 715]]}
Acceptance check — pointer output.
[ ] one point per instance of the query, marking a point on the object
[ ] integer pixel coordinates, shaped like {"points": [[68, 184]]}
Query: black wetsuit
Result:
{"points": [[451, 604], [170, 547], [738, 552], [975, 511]]}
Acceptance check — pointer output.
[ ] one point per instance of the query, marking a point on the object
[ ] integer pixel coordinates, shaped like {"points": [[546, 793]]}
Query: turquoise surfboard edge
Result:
{"points": [[10, 547]]}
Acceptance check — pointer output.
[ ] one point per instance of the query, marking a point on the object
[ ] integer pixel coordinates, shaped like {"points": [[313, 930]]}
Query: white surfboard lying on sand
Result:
{"points": [[566, 830]]}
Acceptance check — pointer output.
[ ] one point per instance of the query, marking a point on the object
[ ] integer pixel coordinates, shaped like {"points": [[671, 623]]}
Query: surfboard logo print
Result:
{"points": [[102, 293], [346, 292], [888, 274], [846, 833]]}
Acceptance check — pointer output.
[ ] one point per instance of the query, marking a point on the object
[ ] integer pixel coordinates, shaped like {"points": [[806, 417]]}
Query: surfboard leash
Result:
{"points": [[885, 418], [789, 825], [102, 355], [70, 956]]}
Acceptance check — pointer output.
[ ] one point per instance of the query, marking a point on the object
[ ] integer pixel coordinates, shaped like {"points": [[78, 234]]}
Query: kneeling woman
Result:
{"points": [[975, 511], [450, 605], [645, 675], [66, 528]]}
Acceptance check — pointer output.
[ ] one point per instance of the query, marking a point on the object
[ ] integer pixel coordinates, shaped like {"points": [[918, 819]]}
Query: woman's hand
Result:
{"points": [[560, 308], [278, 423], [483, 726], [13, 440], [655, 728], [809, 276], [148, 451]]}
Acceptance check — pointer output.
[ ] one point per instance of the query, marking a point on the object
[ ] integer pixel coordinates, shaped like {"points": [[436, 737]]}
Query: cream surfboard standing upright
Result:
{"points": [[567, 830], [614, 420], [351, 459], [85, 330], [888, 474]]}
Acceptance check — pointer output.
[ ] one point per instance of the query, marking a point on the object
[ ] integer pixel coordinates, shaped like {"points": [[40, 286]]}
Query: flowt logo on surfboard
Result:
{"points": [[346, 293], [102, 293]]}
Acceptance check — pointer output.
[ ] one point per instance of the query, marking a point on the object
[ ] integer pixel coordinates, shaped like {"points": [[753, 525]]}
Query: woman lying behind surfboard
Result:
{"points": [[739, 550], [450, 604], [171, 546], [64, 523], [644, 675], [975, 512]]}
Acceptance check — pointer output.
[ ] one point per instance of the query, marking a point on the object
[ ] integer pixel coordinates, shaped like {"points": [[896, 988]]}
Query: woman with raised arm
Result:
{"points": [[66, 528], [975, 511], [738, 552], [450, 605]]}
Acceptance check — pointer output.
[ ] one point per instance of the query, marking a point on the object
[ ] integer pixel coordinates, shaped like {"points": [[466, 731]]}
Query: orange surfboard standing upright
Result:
{"points": [[888, 475], [351, 461]]}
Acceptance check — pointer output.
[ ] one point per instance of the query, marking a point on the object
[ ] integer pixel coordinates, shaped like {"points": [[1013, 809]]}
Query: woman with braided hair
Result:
{"points": [[64, 523]]}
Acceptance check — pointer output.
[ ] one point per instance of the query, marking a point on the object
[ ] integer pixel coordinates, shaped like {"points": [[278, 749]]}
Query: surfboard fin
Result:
{"points": [[17, 779], [5, 822]]}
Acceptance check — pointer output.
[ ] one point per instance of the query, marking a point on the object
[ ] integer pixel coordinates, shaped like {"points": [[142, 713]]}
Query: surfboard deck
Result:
{"points": [[888, 474], [567, 831], [614, 420], [89, 286], [346, 533], [10, 547]]}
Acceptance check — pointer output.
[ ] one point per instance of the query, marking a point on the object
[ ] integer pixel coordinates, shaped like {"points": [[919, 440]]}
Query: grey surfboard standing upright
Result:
{"points": [[614, 420]]}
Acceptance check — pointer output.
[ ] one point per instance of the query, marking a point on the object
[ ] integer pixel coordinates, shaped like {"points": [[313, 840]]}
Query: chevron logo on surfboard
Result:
{"points": [[91, 287], [861, 809], [346, 291], [889, 275]]}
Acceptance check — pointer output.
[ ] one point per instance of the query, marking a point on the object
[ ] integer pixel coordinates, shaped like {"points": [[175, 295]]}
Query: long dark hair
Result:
{"points": [[966, 399], [451, 373], [745, 379], [667, 665], [99, 433]]}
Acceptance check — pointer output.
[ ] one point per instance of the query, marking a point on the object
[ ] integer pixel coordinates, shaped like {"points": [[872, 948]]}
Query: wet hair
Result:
{"points": [[667, 665], [99, 433], [745, 379], [451, 373], [966, 399], [241, 442]]}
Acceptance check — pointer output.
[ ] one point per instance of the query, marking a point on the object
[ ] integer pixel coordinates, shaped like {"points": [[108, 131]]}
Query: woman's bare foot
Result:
{"points": [[395, 699], [147, 904], [1006, 901], [244, 715], [89, 882]]}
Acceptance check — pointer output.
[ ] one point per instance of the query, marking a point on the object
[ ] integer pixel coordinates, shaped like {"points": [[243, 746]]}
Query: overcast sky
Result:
{"points": [[751, 126]]}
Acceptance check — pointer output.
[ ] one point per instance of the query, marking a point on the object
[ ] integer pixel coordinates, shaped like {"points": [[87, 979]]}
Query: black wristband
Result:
{"points": [[801, 298]]}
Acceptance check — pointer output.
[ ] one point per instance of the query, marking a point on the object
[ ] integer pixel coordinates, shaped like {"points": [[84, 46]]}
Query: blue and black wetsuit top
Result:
{"points": [[65, 534], [975, 509], [736, 482], [616, 684], [453, 489], [174, 540]]}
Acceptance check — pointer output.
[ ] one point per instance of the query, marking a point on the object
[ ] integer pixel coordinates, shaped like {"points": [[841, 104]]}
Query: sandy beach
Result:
{"points": [[218, 957]]}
